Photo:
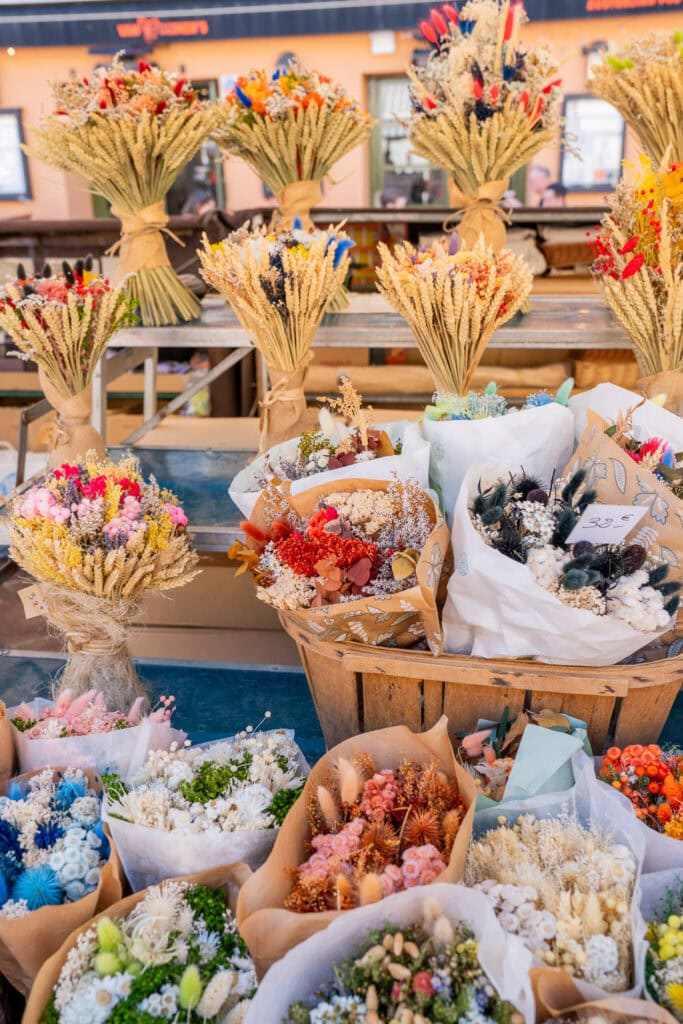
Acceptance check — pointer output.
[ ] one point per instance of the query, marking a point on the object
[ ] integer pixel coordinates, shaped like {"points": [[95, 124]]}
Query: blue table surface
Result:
{"points": [[213, 700]]}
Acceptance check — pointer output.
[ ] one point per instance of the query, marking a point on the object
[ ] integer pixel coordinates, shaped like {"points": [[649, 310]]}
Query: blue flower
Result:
{"points": [[40, 887], [668, 458], [98, 830], [297, 224], [342, 247], [10, 867], [466, 26], [276, 75], [9, 839], [542, 398], [242, 97], [48, 833], [4, 891], [15, 791], [67, 791]]}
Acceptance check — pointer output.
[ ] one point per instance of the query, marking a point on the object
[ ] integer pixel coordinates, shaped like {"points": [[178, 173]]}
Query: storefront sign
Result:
{"points": [[151, 29]]}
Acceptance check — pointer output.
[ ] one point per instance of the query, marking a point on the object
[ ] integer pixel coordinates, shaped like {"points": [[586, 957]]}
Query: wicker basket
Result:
{"points": [[357, 688], [597, 366]]}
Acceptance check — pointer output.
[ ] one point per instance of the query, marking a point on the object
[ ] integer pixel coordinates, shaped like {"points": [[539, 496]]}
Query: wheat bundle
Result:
{"points": [[483, 105], [644, 81], [129, 133], [639, 263], [279, 287], [453, 303], [291, 128]]}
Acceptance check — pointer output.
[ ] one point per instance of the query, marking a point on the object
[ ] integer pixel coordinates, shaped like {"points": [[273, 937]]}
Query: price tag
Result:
{"points": [[606, 524], [32, 601]]}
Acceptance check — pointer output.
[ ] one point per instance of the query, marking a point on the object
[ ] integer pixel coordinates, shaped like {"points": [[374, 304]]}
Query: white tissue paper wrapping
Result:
{"points": [[122, 750], [590, 806], [654, 887], [150, 855], [414, 464], [495, 609], [608, 400], [540, 439], [662, 852], [309, 965]]}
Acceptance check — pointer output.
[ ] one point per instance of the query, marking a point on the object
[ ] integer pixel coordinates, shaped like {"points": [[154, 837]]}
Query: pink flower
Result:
{"points": [[396, 992], [391, 880], [131, 508], [379, 795], [176, 513], [422, 983], [53, 291], [421, 865]]}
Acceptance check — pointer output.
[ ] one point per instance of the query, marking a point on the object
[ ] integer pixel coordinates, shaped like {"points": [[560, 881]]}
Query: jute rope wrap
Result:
{"points": [[72, 434], [95, 632], [283, 409], [668, 383], [297, 200], [142, 244], [479, 213]]}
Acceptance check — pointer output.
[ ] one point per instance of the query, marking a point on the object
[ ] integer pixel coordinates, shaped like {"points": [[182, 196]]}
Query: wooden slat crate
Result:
{"points": [[356, 689]]}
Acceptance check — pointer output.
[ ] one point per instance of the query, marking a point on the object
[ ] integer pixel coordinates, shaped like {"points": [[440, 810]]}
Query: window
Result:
{"points": [[14, 181], [398, 176], [597, 131]]}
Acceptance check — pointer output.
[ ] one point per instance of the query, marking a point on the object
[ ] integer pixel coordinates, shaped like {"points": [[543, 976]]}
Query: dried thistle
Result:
{"points": [[422, 829]]}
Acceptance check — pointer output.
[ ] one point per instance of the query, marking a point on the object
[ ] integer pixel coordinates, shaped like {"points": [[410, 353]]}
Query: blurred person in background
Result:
{"points": [[554, 196], [537, 181]]}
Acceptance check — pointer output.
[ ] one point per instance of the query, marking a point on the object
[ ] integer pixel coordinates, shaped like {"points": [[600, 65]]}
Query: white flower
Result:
{"points": [[208, 944], [216, 993], [346, 1008], [238, 1014], [603, 956], [85, 810]]}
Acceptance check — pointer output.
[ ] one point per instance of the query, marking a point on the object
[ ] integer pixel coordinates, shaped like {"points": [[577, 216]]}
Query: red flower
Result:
{"points": [[629, 246], [477, 89], [96, 487], [422, 983], [179, 86], [131, 487], [143, 66], [633, 266]]}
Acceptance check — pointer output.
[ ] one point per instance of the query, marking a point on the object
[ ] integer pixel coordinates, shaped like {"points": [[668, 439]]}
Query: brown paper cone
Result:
{"points": [[27, 942], [283, 410], [669, 383], [621, 481], [72, 434], [230, 879], [481, 213], [7, 752], [396, 620], [269, 930], [556, 995], [297, 200]]}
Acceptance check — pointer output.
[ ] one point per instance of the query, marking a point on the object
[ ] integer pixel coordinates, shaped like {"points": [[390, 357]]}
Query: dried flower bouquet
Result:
{"points": [[639, 263], [64, 323], [129, 132], [664, 965], [96, 536], [548, 591], [357, 560], [644, 81], [453, 302], [483, 105], [56, 866], [565, 889], [279, 287], [199, 807], [170, 953], [291, 127], [652, 779]]}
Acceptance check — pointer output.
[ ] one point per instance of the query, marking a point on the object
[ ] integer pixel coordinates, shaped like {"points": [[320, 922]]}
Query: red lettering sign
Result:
{"points": [[151, 29]]}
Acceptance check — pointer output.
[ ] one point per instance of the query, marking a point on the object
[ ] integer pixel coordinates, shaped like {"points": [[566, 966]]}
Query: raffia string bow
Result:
{"points": [[479, 213], [141, 243], [296, 201]]}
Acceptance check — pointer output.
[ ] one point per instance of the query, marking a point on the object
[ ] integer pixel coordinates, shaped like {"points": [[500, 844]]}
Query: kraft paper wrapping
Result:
{"points": [[7, 754], [269, 930], [283, 410], [557, 996], [621, 481], [482, 213], [399, 620], [297, 200], [27, 942], [229, 879], [72, 433], [668, 383], [142, 244]]}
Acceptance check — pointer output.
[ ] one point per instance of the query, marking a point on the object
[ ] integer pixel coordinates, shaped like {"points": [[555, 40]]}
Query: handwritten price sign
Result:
{"points": [[606, 524]]}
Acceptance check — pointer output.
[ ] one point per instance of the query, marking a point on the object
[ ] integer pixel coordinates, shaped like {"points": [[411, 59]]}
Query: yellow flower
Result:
{"points": [[674, 828], [674, 995], [112, 500]]}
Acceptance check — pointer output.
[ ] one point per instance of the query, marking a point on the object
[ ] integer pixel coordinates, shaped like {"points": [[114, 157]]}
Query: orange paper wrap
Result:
{"points": [[399, 620], [556, 995], [269, 930], [72, 433], [27, 942], [229, 879]]}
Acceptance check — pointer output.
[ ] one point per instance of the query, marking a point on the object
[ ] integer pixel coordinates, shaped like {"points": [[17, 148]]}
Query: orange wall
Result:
{"points": [[25, 77]]}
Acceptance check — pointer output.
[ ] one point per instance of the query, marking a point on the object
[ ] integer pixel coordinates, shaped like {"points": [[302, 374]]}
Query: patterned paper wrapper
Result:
{"points": [[621, 481], [397, 621], [269, 930], [229, 879], [27, 942]]}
